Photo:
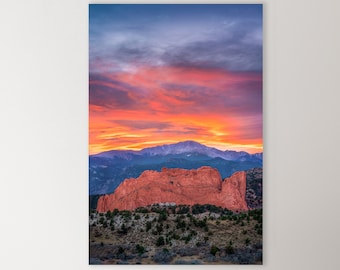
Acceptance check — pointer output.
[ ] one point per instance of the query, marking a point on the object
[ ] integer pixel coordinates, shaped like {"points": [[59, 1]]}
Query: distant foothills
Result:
{"points": [[108, 169]]}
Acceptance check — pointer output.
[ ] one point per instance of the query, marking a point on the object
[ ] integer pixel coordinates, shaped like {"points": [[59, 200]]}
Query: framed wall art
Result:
{"points": [[175, 134]]}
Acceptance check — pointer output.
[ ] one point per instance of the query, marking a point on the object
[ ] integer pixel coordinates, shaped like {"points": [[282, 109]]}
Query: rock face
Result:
{"points": [[254, 188], [179, 186]]}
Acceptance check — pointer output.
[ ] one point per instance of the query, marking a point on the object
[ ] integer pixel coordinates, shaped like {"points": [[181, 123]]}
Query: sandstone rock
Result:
{"points": [[180, 186]]}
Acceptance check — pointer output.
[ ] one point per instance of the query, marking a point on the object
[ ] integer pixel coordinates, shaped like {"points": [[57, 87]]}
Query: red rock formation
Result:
{"points": [[180, 186]]}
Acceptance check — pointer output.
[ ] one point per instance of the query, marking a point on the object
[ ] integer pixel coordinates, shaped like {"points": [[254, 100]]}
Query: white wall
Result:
{"points": [[43, 137]]}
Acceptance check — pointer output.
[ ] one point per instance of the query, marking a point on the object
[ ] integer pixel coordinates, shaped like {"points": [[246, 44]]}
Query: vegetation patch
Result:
{"points": [[169, 234]]}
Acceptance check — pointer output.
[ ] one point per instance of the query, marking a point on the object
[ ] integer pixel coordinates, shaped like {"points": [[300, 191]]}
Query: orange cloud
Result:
{"points": [[153, 106]]}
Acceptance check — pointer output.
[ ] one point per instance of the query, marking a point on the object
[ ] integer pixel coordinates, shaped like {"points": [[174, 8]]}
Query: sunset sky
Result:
{"points": [[161, 74]]}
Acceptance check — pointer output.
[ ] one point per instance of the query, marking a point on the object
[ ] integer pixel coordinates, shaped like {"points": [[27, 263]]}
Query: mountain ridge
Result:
{"points": [[179, 186], [179, 148], [108, 169]]}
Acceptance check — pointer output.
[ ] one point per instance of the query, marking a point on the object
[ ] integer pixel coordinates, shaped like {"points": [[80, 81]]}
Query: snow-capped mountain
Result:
{"points": [[189, 147], [108, 169]]}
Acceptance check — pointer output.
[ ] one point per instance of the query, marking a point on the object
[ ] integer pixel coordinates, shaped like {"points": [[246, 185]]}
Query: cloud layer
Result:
{"points": [[166, 73]]}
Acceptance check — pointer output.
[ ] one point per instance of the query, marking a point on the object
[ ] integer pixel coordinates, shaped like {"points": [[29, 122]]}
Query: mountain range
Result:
{"points": [[108, 169]]}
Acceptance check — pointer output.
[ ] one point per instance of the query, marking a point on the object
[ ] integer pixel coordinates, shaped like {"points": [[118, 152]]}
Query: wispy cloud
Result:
{"points": [[229, 40], [166, 73]]}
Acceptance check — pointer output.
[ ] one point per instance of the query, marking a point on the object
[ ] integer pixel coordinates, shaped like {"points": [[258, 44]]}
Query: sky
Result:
{"points": [[161, 74]]}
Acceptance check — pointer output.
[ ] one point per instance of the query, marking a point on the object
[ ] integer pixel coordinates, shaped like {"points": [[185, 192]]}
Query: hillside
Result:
{"points": [[169, 234]]}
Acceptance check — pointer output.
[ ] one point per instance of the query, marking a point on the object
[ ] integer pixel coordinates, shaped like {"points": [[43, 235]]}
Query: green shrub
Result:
{"points": [[148, 226], [230, 249], [159, 228], [181, 224], [108, 214], [162, 216], [160, 241], [183, 209], [123, 229], [187, 239], [101, 220], [193, 233], [126, 214], [140, 249], [120, 250], [214, 250], [142, 210], [197, 209]]}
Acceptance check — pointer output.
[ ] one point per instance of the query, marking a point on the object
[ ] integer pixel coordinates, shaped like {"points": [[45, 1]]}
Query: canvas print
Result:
{"points": [[175, 134]]}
